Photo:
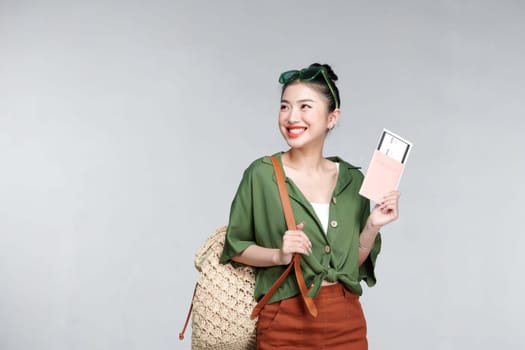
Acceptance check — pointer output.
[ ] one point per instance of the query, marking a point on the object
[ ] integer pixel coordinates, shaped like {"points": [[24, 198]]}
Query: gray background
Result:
{"points": [[125, 128]]}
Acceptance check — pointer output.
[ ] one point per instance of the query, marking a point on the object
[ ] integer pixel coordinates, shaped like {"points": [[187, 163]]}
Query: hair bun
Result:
{"points": [[329, 70]]}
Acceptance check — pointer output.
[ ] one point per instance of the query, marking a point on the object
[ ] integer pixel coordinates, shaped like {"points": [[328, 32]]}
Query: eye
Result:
{"points": [[284, 107], [305, 106]]}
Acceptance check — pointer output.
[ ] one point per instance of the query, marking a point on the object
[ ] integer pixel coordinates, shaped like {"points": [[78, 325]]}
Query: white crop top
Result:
{"points": [[322, 210]]}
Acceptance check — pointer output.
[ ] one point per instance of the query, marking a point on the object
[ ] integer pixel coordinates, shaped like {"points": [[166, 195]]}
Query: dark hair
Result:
{"points": [[319, 83]]}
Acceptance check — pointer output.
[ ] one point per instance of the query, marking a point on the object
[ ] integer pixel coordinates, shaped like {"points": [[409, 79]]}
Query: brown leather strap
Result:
{"points": [[181, 334], [296, 260], [283, 194]]}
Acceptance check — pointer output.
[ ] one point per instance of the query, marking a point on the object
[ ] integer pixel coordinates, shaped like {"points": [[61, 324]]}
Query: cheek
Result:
{"points": [[283, 117]]}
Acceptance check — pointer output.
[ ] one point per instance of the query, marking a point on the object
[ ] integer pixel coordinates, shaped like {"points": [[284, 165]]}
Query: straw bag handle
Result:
{"points": [[181, 334], [296, 260]]}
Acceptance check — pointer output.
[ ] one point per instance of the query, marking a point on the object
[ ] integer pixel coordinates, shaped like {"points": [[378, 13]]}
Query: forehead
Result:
{"points": [[302, 91]]}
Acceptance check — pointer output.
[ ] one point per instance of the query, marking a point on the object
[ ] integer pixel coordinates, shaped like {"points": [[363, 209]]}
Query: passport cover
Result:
{"points": [[386, 166], [382, 176]]}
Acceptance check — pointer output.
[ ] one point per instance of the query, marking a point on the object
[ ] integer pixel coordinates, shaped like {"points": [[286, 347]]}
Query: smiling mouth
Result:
{"points": [[295, 132]]}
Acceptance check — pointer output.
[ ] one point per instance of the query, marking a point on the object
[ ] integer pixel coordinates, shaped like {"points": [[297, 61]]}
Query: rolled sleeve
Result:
{"points": [[240, 232], [367, 268]]}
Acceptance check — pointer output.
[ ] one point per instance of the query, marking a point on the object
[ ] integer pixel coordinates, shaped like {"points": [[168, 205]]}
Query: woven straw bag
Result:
{"points": [[223, 301]]}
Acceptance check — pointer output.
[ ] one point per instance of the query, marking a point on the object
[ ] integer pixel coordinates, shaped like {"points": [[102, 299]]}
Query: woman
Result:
{"points": [[337, 234]]}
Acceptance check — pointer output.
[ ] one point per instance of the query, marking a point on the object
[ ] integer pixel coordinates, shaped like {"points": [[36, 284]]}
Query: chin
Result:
{"points": [[295, 143]]}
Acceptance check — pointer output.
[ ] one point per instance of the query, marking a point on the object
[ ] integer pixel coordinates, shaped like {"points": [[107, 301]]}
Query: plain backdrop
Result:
{"points": [[125, 127]]}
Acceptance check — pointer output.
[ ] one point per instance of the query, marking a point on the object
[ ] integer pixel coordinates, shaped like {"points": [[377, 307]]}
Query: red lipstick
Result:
{"points": [[295, 131]]}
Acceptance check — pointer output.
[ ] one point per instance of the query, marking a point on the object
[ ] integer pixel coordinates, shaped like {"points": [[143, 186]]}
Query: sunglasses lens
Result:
{"points": [[311, 73], [288, 76]]}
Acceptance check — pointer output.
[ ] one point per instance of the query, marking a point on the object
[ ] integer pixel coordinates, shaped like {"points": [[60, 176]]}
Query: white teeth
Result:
{"points": [[296, 131]]}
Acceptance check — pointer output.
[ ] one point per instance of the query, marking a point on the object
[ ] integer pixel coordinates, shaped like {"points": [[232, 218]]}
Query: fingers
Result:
{"points": [[296, 241], [394, 195], [389, 203]]}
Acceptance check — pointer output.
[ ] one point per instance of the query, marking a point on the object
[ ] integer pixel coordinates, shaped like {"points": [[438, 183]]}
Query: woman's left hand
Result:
{"points": [[386, 211]]}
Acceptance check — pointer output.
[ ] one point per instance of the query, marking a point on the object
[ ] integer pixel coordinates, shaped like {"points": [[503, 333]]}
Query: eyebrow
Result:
{"points": [[300, 101]]}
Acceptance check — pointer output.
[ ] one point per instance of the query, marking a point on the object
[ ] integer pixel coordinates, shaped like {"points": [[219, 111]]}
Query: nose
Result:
{"points": [[293, 116]]}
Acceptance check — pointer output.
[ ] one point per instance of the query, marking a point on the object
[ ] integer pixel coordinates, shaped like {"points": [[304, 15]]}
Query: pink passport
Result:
{"points": [[386, 166], [382, 176]]}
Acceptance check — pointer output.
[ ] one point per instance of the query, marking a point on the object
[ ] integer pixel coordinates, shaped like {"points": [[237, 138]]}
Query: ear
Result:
{"points": [[333, 118]]}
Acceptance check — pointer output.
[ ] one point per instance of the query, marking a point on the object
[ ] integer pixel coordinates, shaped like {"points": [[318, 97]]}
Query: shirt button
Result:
{"points": [[333, 223], [327, 249], [334, 200]]}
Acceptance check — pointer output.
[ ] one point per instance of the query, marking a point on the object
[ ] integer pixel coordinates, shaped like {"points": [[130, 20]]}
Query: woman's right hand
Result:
{"points": [[294, 241]]}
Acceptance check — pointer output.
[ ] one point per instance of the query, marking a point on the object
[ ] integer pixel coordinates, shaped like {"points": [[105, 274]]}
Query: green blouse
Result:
{"points": [[256, 217]]}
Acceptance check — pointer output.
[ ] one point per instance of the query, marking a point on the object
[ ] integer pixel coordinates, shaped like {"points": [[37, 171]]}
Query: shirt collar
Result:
{"points": [[343, 180]]}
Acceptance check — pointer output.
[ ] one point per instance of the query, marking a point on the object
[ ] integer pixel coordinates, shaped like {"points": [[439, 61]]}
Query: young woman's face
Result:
{"points": [[304, 118]]}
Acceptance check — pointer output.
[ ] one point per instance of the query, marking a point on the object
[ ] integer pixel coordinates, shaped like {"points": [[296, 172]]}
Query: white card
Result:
{"points": [[394, 146]]}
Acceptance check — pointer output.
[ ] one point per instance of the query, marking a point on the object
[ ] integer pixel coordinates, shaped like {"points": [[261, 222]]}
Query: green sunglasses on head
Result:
{"points": [[306, 75]]}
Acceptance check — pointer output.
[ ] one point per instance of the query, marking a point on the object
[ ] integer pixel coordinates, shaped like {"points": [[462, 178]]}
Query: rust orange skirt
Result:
{"points": [[340, 323]]}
